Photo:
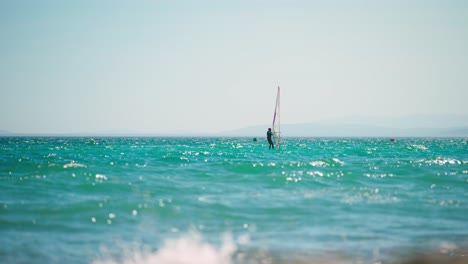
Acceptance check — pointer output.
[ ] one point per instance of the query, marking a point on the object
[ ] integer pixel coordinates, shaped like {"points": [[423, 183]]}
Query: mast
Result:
{"points": [[276, 120]]}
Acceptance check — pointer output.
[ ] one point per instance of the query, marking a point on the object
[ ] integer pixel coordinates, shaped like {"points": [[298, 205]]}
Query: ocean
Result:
{"points": [[231, 200]]}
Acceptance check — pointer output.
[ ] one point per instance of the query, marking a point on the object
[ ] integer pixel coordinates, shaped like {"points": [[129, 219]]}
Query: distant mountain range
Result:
{"points": [[350, 130], [407, 126]]}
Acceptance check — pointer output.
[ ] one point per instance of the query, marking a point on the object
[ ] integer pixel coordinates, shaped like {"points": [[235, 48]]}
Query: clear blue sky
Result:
{"points": [[209, 66]]}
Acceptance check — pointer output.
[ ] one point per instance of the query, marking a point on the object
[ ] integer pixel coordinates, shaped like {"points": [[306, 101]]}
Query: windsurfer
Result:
{"points": [[270, 141]]}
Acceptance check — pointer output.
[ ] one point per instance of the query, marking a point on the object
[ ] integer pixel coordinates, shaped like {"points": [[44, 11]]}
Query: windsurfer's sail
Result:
{"points": [[276, 121]]}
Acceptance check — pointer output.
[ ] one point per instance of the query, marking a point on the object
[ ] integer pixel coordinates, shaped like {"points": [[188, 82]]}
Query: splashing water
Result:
{"points": [[184, 250]]}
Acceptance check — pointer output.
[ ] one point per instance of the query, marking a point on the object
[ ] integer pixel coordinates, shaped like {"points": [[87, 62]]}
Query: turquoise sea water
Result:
{"points": [[231, 200]]}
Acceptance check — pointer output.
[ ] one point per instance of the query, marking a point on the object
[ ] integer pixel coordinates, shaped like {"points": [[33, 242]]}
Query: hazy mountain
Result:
{"points": [[409, 121], [356, 126], [350, 130], [408, 126]]}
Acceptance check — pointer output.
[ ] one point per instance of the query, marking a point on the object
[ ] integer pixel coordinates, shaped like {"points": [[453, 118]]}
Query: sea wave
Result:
{"points": [[184, 250], [440, 161], [74, 164]]}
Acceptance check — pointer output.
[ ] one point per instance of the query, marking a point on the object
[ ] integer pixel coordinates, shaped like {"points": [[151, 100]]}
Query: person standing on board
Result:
{"points": [[269, 134]]}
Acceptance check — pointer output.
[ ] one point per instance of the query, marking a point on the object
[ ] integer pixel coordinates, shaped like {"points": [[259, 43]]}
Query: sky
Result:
{"points": [[202, 66]]}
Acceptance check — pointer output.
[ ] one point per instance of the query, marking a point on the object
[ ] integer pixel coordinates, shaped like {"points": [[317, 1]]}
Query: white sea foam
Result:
{"points": [[443, 161], [101, 177], [189, 249], [318, 163], [315, 173], [73, 164], [338, 161], [439, 161], [420, 147]]}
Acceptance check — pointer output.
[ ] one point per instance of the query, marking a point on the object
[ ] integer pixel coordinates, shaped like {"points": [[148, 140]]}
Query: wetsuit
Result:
{"points": [[269, 135]]}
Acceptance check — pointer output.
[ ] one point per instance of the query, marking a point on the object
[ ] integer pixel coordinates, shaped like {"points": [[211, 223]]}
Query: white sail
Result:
{"points": [[276, 121]]}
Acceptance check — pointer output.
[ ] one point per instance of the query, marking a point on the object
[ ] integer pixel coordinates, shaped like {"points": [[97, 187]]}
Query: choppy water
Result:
{"points": [[231, 200]]}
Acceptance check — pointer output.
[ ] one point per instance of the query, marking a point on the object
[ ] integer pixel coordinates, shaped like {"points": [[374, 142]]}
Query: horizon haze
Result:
{"points": [[408, 126]]}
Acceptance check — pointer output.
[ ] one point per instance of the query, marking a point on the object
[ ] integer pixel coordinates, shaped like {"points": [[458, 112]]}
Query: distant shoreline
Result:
{"points": [[208, 136], [287, 131]]}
